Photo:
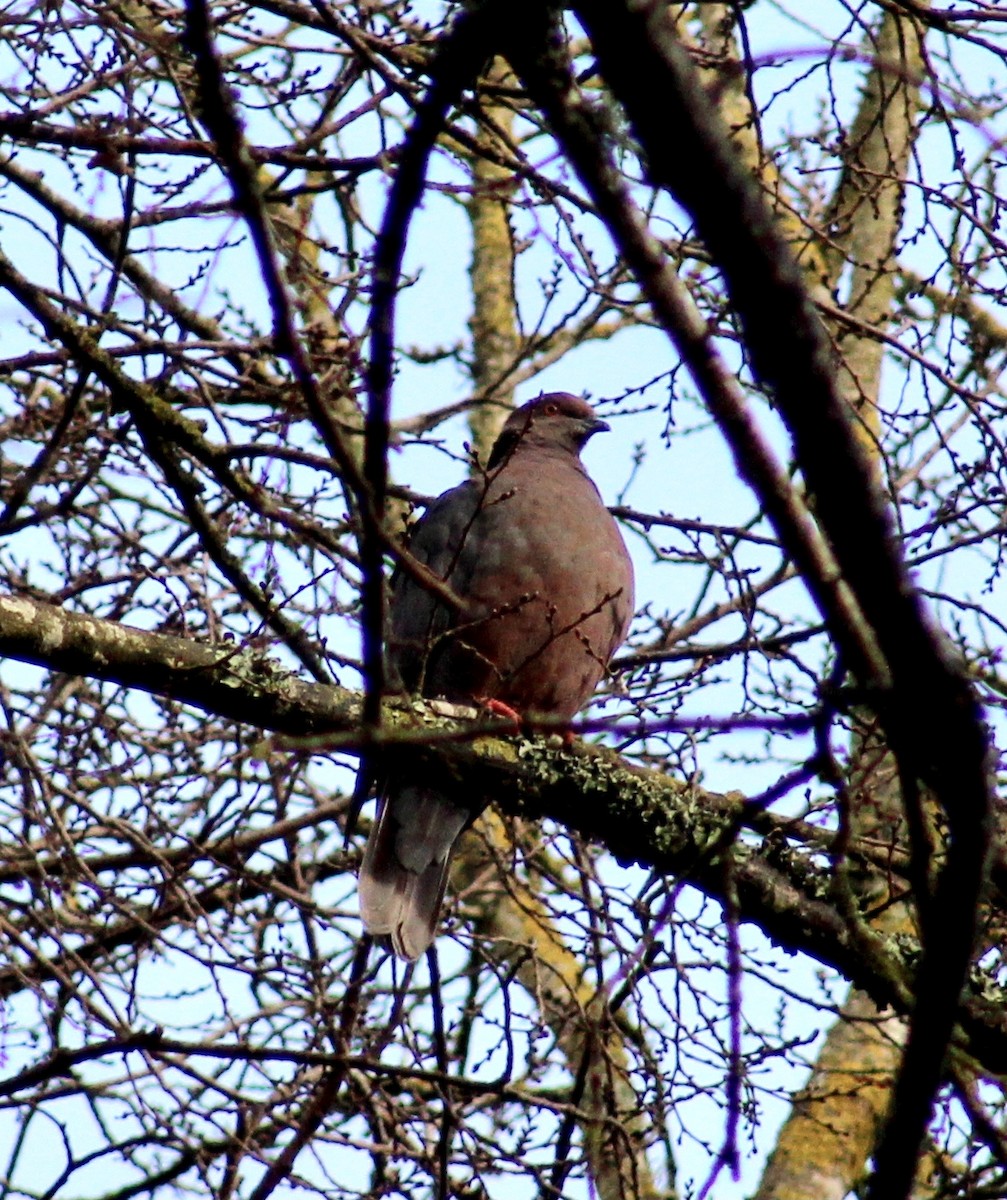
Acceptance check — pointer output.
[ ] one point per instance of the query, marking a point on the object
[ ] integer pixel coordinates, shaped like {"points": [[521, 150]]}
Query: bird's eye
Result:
{"points": [[551, 410]]}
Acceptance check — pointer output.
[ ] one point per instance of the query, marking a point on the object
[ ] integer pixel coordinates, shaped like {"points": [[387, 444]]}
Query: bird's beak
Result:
{"points": [[596, 425]]}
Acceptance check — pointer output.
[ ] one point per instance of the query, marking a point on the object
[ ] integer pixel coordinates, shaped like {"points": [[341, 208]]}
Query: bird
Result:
{"points": [[546, 589]]}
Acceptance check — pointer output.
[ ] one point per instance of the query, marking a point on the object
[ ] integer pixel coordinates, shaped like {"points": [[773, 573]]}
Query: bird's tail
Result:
{"points": [[405, 867]]}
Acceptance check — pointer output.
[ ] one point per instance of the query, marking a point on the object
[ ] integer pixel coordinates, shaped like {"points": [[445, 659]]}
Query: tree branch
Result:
{"points": [[641, 816]]}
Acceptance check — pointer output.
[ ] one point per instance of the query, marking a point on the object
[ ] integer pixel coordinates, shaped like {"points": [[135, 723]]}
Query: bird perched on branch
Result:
{"points": [[546, 584]]}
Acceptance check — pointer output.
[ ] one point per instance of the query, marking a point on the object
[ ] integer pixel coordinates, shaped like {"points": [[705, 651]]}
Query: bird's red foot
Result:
{"points": [[499, 709]]}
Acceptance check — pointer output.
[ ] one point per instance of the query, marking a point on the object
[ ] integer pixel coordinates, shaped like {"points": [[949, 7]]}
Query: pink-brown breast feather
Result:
{"points": [[549, 583]]}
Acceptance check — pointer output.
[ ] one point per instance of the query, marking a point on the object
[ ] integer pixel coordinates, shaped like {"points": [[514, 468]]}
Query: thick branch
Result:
{"points": [[926, 706], [641, 816]]}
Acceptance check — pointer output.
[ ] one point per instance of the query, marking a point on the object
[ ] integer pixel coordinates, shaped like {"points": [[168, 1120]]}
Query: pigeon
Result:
{"points": [[545, 585]]}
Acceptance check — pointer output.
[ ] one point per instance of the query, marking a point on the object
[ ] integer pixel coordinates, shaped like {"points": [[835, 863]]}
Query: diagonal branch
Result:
{"points": [[923, 698], [640, 815]]}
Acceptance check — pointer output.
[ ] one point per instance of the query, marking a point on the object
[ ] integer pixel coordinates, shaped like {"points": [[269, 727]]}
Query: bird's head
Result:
{"points": [[557, 420]]}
